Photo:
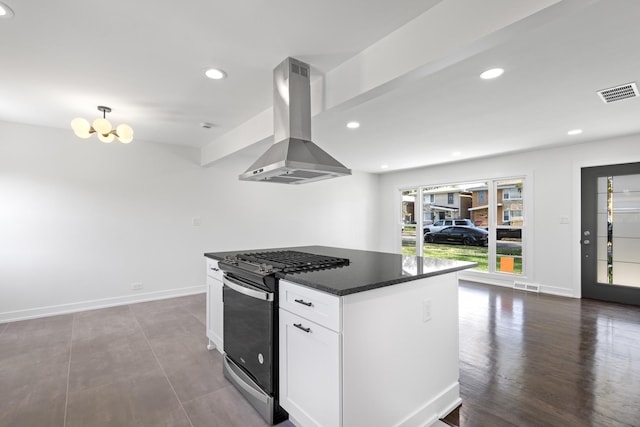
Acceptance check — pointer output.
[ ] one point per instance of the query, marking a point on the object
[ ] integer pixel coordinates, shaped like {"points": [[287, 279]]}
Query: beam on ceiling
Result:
{"points": [[446, 34]]}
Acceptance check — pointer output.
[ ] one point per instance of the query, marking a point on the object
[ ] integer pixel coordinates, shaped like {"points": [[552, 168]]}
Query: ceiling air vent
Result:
{"points": [[629, 90]]}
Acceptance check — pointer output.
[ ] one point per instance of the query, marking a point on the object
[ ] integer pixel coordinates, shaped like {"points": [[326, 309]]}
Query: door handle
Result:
{"points": [[253, 293], [303, 302]]}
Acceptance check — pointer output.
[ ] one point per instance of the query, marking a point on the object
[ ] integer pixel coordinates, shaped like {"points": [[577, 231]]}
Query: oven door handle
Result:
{"points": [[243, 289]]}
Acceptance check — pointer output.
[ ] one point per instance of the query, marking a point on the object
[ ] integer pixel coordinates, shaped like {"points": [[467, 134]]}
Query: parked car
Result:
{"points": [[441, 224], [508, 233], [469, 236]]}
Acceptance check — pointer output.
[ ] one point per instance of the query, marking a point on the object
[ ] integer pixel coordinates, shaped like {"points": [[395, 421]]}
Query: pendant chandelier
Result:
{"points": [[102, 128]]}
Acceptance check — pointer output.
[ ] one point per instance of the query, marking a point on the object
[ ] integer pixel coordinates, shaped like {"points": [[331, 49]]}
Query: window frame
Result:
{"points": [[492, 202]]}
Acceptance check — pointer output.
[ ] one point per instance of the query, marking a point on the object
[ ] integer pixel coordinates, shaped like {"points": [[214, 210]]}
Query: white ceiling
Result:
{"points": [[145, 59]]}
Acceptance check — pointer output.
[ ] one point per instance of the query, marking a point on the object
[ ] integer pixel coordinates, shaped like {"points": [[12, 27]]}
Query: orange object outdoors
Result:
{"points": [[506, 264]]}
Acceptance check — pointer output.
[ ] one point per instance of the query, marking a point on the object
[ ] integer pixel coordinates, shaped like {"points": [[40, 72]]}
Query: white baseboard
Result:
{"points": [[439, 406], [33, 313], [215, 341], [561, 292], [508, 283]]}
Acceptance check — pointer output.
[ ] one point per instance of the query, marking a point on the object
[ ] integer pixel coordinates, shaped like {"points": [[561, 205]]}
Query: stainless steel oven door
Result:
{"points": [[248, 329]]}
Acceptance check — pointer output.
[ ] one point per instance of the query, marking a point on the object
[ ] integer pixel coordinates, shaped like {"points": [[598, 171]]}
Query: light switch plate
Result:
{"points": [[426, 310]]}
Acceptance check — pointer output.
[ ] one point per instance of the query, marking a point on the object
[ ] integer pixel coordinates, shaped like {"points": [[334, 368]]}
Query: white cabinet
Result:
{"points": [[384, 357], [309, 356], [214, 306], [320, 307]]}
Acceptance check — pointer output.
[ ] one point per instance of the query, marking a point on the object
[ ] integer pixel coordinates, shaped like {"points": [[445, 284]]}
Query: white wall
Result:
{"points": [[554, 184], [80, 220], [245, 215]]}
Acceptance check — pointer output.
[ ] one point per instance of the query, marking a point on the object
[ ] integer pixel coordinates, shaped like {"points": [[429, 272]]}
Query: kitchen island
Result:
{"points": [[373, 342]]}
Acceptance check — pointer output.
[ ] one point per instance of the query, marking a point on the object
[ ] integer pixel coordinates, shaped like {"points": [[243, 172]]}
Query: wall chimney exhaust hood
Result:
{"points": [[293, 159]]}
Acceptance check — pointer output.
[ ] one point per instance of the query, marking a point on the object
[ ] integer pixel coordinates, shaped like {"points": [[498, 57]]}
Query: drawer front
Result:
{"points": [[316, 306], [213, 270]]}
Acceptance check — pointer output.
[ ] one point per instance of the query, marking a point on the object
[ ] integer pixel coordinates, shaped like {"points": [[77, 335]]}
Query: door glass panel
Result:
{"points": [[618, 230], [409, 225]]}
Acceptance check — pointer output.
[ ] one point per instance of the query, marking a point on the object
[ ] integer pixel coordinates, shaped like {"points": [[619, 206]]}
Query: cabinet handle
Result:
{"points": [[303, 302], [302, 328], [215, 269]]}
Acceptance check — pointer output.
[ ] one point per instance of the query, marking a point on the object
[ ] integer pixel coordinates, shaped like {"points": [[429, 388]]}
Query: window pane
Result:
{"points": [[508, 236], [482, 196], [409, 222], [461, 206]]}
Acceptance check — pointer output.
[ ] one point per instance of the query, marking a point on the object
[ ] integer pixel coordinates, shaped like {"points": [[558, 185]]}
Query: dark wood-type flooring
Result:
{"points": [[531, 359], [526, 360]]}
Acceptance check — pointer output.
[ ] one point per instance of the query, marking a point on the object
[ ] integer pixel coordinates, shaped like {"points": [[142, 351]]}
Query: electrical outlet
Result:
{"points": [[136, 286], [426, 310]]}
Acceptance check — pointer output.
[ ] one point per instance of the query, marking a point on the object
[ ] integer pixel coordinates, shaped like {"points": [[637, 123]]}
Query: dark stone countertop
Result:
{"points": [[367, 270]]}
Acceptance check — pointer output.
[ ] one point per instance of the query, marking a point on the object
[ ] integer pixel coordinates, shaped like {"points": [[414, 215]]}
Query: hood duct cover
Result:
{"points": [[293, 159]]}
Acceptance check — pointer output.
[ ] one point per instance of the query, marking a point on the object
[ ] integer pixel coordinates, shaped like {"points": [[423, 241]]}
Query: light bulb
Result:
{"points": [[81, 127], [492, 73], [102, 126], [215, 74], [353, 125], [5, 11], [107, 138], [125, 133]]}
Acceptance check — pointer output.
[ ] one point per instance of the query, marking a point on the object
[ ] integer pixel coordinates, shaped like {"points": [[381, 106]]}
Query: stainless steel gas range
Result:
{"points": [[250, 298]]}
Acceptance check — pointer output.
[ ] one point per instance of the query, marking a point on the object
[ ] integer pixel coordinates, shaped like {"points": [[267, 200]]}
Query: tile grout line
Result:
{"points": [[160, 365], [194, 399], [66, 397]]}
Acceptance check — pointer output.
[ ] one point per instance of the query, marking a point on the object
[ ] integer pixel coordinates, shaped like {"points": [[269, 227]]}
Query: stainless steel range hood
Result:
{"points": [[293, 159]]}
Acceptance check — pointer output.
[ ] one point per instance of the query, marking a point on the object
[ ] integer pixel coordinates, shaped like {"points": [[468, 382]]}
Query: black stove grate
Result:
{"points": [[294, 261]]}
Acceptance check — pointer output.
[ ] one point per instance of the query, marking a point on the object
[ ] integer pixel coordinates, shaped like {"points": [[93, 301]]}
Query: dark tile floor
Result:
{"points": [[136, 365]]}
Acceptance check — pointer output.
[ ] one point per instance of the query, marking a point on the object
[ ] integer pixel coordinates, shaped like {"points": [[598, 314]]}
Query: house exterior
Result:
{"points": [[509, 205], [445, 203]]}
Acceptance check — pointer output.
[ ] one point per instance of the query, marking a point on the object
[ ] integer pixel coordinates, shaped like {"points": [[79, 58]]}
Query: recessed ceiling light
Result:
{"points": [[384, 166], [353, 125], [492, 73], [215, 74], [574, 132], [456, 153], [5, 11]]}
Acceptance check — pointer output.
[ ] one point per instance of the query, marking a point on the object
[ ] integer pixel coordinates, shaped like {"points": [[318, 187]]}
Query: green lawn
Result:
{"points": [[465, 253]]}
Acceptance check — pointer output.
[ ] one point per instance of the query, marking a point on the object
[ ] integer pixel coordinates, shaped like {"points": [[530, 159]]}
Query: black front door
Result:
{"points": [[610, 233], [248, 332]]}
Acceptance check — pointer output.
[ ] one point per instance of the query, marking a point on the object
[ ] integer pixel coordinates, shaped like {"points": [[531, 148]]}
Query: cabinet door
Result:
{"points": [[310, 388], [214, 313]]}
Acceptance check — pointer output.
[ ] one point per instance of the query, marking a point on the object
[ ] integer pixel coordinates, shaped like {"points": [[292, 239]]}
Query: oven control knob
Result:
{"points": [[260, 358]]}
